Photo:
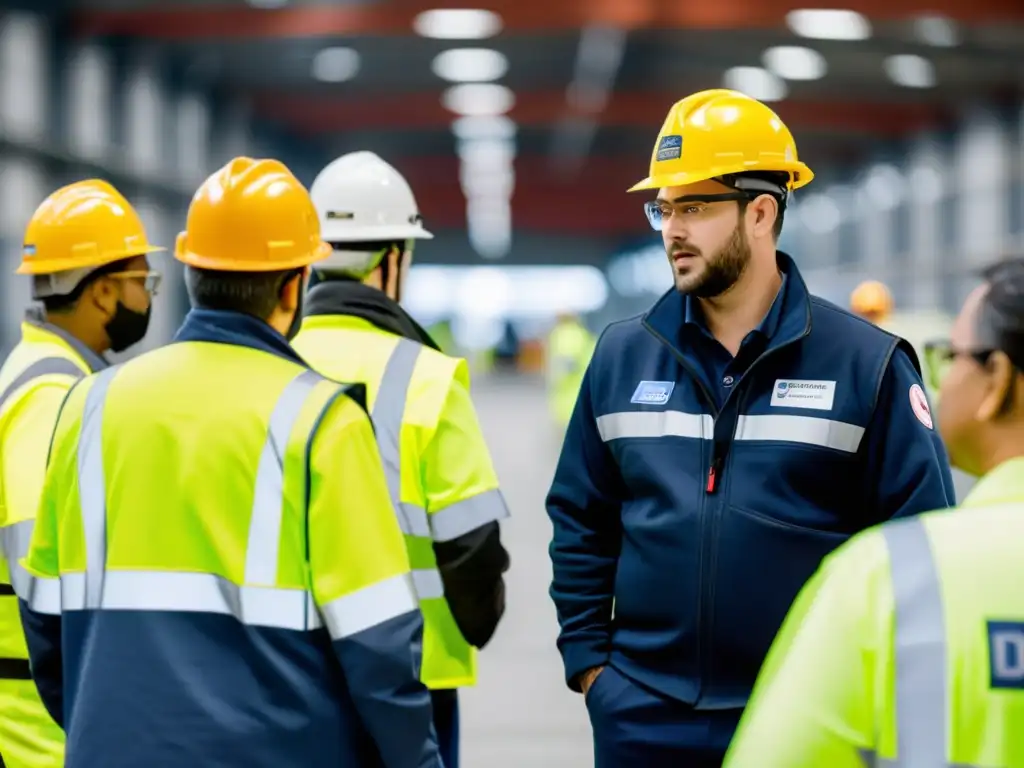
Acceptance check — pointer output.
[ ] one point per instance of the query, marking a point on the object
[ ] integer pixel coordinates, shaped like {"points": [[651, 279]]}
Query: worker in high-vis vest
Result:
{"points": [[906, 649], [217, 577], [443, 487], [85, 251], [569, 349]]}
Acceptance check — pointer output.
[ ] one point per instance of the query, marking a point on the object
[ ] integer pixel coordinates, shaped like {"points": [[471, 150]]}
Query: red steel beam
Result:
{"points": [[394, 17], [311, 115], [592, 202]]}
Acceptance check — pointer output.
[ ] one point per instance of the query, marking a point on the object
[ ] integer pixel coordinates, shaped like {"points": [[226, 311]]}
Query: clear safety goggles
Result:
{"points": [[150, 279], [687, 207]]}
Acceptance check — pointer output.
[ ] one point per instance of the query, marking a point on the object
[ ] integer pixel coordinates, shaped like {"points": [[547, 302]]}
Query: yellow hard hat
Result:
{"points": [[871, 298], [251, 216], [86, 224], [720, 132]]}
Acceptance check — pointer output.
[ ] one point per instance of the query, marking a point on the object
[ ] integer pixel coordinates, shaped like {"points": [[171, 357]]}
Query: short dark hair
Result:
{"points": [[779, 178], [67, 302], [1001, 315], [251, 293]]}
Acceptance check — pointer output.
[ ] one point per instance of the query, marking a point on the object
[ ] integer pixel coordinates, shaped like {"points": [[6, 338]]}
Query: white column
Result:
{"points": [[23, 187], [24, 76], [89, 93], [192, 133], [927, 183], [982, 160], [144, 119]]}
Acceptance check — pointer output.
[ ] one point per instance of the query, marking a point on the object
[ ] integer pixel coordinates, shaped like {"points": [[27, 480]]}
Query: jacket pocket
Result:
{"points": [[761, 564]]}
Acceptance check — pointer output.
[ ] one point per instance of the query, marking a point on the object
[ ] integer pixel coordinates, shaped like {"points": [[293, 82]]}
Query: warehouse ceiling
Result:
{"points": [[583, 85]]}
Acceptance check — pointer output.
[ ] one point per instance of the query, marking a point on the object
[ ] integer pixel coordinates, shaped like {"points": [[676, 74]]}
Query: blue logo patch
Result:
{"points": [[28, 250], [653, 392], [1006, 654], [670, 147], [782, 388]]}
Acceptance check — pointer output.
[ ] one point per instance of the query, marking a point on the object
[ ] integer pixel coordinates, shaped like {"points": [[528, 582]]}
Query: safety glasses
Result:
{"points": [[688, 206], [939, 356], [150, 279]]}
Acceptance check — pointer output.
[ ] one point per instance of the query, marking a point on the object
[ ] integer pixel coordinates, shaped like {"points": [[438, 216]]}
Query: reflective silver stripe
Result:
{"points": [[267, 505], [114, 590], [467, 515], [46, 366], [615, 426], [920, 647], [370, 606], [194, 593], [92, 487], [701, 426], [15, 540], [388, 412], [871, 760], [801, 429], [43, 595], [428, 583]]}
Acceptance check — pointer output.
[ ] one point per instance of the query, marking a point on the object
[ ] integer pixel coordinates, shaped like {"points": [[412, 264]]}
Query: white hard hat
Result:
{"points": [[361, 198]]}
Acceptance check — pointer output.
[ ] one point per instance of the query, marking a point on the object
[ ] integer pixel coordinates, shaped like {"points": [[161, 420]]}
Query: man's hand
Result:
{"points": [[587, 678]]}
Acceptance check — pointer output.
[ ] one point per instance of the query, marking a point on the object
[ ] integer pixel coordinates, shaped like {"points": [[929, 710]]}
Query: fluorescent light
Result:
{"points": [[794, 62], [457, 24], [757, 83], [335, 65], [470, 65], [484, 127], [884, 187], [937, 30], [268, 4], [829, 24], [910, 70], [478, 99]]}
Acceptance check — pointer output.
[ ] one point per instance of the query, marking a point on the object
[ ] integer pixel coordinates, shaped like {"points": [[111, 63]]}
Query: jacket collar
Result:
{"points": [[788, 320], [349, 297], [223, 327], [36, 317], [1003, 484]]}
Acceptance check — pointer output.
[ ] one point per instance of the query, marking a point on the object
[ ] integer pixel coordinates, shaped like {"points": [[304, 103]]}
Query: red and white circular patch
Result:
{"points": [[919, 404]]}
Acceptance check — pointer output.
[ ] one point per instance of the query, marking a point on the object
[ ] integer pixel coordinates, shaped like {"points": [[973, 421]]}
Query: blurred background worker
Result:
{"points": [[85, 249], [907, 646], [569, 348], [225, 582], [872, 300], [443, 487], [722, 444]]}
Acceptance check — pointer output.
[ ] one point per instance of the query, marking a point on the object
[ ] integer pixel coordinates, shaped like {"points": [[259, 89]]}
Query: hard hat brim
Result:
{"points": [[343, 234], [63, 265], [199, 261], [803, 174]]}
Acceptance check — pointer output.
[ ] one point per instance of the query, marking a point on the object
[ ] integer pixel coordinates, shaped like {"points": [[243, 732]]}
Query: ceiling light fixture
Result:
{"points": [[335, 65], [937, 30], [795, 62], [910, 70], [493, 127], [470, 65], [478, 99], [757, 83], [457, 24], [830, 24]]}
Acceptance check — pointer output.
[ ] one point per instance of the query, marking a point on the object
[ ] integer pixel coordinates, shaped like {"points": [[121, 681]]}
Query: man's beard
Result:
{"points": [[720, 271]]}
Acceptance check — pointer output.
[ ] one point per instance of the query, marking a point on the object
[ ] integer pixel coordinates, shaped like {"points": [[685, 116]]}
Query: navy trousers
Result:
{"points": [[634, 726], [446, 723]]}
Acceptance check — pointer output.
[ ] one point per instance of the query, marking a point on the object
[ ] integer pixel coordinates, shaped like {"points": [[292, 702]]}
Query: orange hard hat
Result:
{"points": [[251, 216], [717, 133], [871, 298], [83, 225]]}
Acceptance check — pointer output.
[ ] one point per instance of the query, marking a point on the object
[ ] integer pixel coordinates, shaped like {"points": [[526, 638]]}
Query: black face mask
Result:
{"points": [[127, 327]]}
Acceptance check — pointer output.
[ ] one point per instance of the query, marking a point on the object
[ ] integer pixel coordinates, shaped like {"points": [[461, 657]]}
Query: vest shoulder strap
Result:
{"points": [[46, 366]]}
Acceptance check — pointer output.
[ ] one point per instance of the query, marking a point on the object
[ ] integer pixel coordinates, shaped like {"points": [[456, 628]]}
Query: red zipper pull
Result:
{"points": [[710, 488]]}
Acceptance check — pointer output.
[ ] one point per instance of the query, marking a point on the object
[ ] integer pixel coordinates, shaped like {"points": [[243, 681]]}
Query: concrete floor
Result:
{"points": [[521, 715]]}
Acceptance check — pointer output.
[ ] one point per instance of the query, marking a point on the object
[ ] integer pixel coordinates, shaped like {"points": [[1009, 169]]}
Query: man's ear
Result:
{"points": [[103, 295], [1001, 379], [766, 211], [291, 290]]}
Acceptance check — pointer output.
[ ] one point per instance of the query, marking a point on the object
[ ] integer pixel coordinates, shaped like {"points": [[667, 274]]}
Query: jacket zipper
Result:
{"points": [[709, 528]]}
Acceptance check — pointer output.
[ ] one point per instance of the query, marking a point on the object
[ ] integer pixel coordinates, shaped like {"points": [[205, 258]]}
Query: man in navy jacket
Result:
{"points": [[722, 444]]}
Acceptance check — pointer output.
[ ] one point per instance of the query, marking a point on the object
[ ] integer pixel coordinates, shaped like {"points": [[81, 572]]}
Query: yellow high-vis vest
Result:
{"points": [[439, 470], [34, 380], [569, 349], [906, 649]]}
